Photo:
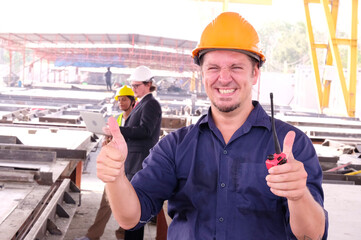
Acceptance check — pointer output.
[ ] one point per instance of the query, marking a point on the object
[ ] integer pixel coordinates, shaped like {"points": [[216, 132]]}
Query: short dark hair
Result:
{"points": [[132, 100], [152, 87]]}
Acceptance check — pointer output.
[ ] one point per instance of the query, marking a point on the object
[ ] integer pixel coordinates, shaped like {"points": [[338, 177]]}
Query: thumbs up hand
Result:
{"points": [[110, 161], [288, 180]]}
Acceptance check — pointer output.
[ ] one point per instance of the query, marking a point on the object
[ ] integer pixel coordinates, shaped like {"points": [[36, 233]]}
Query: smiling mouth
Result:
{"points": [[226, 91]]}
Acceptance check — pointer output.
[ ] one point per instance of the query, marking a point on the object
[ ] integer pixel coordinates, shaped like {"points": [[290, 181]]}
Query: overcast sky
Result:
{"points": [[184, 19]]}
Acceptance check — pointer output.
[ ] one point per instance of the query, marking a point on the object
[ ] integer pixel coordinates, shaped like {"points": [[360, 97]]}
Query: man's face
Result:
{"points": [[228, 77], [140, 89]]}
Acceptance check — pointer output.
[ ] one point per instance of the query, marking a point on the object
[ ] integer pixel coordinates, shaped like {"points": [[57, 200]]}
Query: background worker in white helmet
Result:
{"points": [[213, 173], [141, 129], [126, 101]]}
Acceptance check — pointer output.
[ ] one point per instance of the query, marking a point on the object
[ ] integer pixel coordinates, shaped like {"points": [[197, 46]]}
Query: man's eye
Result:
{"points": [[237, 67]]}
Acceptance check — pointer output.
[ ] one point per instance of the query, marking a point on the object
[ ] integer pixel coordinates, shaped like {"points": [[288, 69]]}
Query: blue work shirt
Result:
{"points": [[217, 190]]}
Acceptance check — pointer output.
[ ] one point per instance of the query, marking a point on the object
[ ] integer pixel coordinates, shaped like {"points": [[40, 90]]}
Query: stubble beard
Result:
{"points": [[227, 109]]}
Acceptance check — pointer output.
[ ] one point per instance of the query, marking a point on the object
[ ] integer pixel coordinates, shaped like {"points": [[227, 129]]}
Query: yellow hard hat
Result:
{"points": [[124, 91], [229, 31]]}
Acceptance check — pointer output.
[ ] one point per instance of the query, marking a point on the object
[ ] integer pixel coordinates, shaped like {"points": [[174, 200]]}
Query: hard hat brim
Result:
{"points": [[198, 53]]}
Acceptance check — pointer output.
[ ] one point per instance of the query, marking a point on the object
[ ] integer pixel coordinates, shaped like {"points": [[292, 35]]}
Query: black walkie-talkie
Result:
{"points": [[279, 157]]}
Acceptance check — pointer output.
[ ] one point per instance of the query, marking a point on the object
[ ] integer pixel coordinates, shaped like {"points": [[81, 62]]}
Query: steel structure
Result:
{"points": [[98, 50], [330, 8], [131, 50]]}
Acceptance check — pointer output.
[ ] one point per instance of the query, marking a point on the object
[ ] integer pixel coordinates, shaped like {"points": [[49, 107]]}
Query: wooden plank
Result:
{"points": [[10, 226], [339, 167], [12, 201], [173, 122], [72, 120], [64, 138], [9, 139], [341, 177], [38, 231], [60, 152], [16, 176], [23, 155]]}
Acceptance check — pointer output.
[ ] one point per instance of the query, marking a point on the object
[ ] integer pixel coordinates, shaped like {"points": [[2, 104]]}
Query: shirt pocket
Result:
{"points": [[248, 183]]}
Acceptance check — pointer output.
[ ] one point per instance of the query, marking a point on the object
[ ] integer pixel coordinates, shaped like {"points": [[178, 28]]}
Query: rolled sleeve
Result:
{"points": [[156, 182]]}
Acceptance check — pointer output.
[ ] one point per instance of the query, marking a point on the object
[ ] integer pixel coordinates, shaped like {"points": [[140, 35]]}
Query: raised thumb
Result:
{"points": [[118, 139], [288, 144]]}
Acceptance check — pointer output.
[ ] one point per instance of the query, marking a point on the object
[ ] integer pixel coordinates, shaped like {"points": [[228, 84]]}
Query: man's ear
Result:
{"points": [[200, 73], [256, 74]]}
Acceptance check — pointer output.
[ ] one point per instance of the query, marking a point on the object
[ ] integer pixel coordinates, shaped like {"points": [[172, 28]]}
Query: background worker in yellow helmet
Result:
{"points": [[213, 173], [126, 101]]}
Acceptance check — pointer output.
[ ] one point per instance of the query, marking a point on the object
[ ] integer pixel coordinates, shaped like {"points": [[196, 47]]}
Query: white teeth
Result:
{"points": [[225, 91]]}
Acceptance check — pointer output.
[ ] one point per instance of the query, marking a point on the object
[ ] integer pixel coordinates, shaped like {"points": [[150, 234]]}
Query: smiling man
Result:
{"points": [[227, 80], [213, 173]]}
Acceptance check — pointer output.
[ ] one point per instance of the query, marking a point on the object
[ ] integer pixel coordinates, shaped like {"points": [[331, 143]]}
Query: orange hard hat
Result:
{"points": [[229, 31]]}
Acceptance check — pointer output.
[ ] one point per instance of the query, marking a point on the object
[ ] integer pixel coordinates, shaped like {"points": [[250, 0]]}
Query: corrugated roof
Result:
{"points": [[128, 50]]}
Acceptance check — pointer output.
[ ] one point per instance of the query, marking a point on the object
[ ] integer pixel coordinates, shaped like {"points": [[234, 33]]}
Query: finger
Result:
{"points": [[106, 131], [284, 177], [106, 171], [288, 144], [290, 194], [118, 138], [285, 186], [108, 167], [110, 164], [109, 152]]}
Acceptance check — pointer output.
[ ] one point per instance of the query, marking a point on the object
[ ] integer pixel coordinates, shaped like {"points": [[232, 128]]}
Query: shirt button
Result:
{"points": [[223, 185], [225, 152], [221, 219]]}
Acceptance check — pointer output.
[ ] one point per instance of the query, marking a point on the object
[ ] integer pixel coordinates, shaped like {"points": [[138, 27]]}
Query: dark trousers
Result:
{"points": [[96, 230], [109, 85], [134, 235]]}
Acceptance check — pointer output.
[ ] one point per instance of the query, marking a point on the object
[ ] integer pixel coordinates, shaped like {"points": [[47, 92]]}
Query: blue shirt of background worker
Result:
{"points": [[218, 190]]}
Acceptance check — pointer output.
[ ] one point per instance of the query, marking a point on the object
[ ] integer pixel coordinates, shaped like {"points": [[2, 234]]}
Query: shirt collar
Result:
{"points": [[258, 117], [140, 99]]}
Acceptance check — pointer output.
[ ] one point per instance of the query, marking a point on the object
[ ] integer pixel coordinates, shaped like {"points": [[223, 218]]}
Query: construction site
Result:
{"points": [[48, 183]]}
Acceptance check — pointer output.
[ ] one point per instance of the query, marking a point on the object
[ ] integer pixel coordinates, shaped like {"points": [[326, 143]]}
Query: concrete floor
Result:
{"points": [[92, 190], [343, 203]]}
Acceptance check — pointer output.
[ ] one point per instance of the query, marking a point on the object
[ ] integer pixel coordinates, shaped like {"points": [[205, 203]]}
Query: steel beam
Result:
{"points": [[334, 59], [56, 217]]}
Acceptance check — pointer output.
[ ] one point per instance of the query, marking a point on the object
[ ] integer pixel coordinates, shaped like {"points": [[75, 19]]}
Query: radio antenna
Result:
{"points": [[275, 138]]}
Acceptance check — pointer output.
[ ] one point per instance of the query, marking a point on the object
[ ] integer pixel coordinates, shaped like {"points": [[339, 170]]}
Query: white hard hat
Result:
{"points": [[142, 74]]}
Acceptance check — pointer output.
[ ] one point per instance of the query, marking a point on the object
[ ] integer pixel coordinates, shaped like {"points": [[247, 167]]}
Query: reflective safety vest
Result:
{"points": [[119, 119]]}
